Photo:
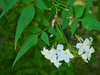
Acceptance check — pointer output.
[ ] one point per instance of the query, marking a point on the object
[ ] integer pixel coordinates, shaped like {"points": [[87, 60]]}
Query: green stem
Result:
{"points": [[60, 3]]}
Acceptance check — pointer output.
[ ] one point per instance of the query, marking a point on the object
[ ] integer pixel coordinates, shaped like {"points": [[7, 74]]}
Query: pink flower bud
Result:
{"points": [[85, 60], [53, 21]]}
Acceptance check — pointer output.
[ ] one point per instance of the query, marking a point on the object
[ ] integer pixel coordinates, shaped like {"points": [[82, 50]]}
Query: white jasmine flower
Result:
{"points": [[56, 55], [87, 55], [60, 51], [83, 45], [67, 55], [55, 61]]}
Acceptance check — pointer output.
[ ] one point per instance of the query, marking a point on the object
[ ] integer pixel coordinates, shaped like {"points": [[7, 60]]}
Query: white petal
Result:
{"points": [[66, 59], [89, 56], [57, 64], [86, 40], [84, 56], [70, 55], [91, 39], [53, 51], [60, 47], [81, 51], [78, 45], [92, 50]]}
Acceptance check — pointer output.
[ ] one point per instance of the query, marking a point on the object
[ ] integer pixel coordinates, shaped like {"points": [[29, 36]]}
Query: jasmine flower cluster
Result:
{"points": [[57, 55], [85, 48]]}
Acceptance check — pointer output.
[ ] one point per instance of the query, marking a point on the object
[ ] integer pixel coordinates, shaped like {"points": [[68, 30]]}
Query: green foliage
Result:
{"points": [[33, 29], [65, 23], [79, 12], [74, 27], [8, 6], [60, 36], [70, 2], [31, 16], [25, 18], [45, 22], [70, 12], [41, 4], [30, 41], [90, 23], [45, 38], [27, 1], [52, 31], [88, 4], [2, 4]]}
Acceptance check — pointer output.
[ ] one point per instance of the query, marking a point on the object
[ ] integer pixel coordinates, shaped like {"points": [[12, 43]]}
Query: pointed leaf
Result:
{"points": [[41, 4], [90, 23], [30, 41], [70, 12], [88, 4], [45, 38], [52, 31], [45, 22], [25, 18], [8, 6], [74, 25], [60, 36], [65, 24], [2, 4], [70, 2], [64, 14], [79, 12], [27, 1]]}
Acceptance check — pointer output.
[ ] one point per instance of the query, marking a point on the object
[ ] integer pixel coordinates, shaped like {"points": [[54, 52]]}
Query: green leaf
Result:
{"points": [[29, 71], [45, 38], [45, 22], [52, 31], [8, 6], [33, 29], [25, 18], [30, 41], [64, 14], [74, 25], [70, 2], [42, 72], [79, 12], [65, 23], [75, 8], [40, 4], [60, 36], [27, 1], [2, 4], [12, 16], [70, 12], [88, 4], [52, 12], [90, 23]]}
